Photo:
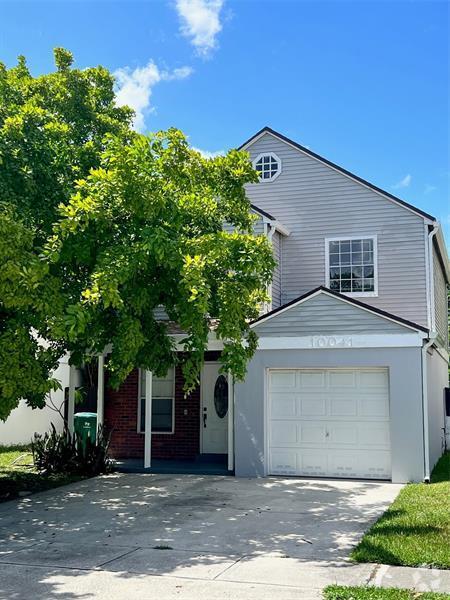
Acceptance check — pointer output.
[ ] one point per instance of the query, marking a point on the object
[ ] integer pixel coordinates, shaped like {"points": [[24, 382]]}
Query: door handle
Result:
{"points": [[205, 416]]}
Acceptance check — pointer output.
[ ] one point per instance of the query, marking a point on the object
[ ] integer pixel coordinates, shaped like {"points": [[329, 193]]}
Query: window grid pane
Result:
{"points": [[267, 167], [162, 401], [351, 265]]}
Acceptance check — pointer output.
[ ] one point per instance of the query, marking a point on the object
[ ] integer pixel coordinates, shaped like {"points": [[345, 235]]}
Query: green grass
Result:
{"points": [[336, 592], [415, 530], [17, 474]]}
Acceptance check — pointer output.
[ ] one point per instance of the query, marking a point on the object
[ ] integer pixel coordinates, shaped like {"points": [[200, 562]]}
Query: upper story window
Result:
{"points": [[351, 265], [268, 166], [163, 400]]}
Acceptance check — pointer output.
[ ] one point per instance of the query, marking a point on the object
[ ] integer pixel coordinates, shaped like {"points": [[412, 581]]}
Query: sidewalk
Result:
{"points": [[413, 578]]}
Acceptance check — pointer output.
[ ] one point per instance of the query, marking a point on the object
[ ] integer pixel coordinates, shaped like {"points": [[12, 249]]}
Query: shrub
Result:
{"points": [[63, 452]]}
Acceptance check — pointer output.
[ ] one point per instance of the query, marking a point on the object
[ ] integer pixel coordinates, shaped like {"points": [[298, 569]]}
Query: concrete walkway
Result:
{"points": [[141, 536]]}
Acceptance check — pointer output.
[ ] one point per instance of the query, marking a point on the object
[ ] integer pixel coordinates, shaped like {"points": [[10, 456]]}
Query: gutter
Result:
{"points": [[426, 433]]}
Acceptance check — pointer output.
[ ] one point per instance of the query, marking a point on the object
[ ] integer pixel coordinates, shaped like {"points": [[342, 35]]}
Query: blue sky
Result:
{"points": [[363, 83]]}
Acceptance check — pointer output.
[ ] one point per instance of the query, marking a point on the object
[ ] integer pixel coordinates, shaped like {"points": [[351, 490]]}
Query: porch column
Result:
{"points": [[100, 391], [71, 403], [230, 422], [148, 420]]}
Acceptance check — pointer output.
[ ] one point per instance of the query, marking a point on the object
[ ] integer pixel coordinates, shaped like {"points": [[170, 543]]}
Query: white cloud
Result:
{"points": [[429, 188], [208, 154], [134, 87], [403, 183], [200, 22]]}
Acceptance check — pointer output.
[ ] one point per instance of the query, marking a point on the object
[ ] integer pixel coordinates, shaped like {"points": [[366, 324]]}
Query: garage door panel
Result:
{"points": [[283, 405], [343, 406], [375, 434], [283, 462], [376, 465], [342, 379], [333, 422], [284, 433], [313, 463], [282, 380], [342, 434], [374, 379], [311, 379], [311, 433], [312, 406]]}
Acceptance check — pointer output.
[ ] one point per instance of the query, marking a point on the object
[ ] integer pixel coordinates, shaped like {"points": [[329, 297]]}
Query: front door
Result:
{"points": [[214, 410]]}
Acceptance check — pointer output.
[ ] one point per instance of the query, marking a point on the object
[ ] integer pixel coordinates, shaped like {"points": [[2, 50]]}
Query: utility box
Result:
{"points": [[85, 427]]}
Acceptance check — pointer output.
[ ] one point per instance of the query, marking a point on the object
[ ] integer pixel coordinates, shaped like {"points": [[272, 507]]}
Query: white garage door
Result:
{"points": [[329, 423]]}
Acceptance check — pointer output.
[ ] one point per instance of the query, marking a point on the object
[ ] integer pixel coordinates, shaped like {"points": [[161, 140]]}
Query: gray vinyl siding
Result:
{"points": [[277, 240], [314, 202], [324, 315], [440, 301]]}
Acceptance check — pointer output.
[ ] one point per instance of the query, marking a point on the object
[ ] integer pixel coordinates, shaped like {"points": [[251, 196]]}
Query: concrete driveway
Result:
{"points": [[186, 536]]}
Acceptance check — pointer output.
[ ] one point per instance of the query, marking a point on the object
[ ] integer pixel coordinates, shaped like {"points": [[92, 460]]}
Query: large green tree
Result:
{"points": [[52, 132], [102, 226]]}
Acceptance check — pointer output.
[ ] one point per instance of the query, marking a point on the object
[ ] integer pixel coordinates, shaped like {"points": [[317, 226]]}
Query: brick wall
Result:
{"points": [[121, 413]]}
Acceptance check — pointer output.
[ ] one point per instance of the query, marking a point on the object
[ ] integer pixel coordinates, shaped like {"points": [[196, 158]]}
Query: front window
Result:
{"points": [[268, 166], [163, 400], [351, 265]]}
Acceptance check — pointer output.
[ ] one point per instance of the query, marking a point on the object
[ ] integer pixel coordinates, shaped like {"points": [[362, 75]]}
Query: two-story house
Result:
{"points": [[349, 377]]}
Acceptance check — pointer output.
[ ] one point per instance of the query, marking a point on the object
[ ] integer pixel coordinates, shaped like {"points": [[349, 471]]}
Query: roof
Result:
{"points": [[262, 212], [373, 187], [274, 221], [349, 300]]}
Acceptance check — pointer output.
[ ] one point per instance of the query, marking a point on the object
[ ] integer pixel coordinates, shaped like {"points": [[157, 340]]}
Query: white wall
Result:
{"points": [[24, 421], [437, 378]]}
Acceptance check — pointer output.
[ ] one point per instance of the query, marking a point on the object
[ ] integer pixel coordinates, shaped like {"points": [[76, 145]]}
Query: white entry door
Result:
{"points": [[329, 423], [214, 410]]}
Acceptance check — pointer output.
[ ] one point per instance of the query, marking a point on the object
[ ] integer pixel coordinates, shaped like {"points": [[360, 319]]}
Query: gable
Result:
{"points": [[276, 138], [324, 314]]}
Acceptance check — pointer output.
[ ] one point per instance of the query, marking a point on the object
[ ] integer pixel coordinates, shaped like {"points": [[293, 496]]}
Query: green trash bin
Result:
{"points": [[85, 427]]}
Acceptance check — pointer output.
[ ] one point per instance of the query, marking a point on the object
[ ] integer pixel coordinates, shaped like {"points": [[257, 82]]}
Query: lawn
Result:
{"points": [[19, 477], [415, 530], [335, 592]]}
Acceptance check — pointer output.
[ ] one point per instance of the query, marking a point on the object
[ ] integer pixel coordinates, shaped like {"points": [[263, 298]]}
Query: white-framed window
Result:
{"points": [[351, 265], [163, 402], [268, 166]]}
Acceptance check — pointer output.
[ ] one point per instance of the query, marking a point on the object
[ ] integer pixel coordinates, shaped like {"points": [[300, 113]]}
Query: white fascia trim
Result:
{"points": [[342, 341], [367, 309], [256, 138], [274, 223], [281, 228]]}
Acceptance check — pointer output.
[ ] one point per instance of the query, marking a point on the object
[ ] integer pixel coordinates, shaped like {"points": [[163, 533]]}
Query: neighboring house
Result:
{"points": [[349, 377], [24, 422]]}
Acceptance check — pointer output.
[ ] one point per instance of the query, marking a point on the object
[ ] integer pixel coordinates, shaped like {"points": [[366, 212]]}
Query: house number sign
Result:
{"points": [[331, 341]]}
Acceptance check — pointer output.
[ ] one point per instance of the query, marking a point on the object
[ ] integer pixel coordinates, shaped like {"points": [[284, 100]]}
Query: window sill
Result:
{"points": [[359, 294]]}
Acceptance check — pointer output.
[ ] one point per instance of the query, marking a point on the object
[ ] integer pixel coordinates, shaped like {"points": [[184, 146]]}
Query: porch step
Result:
{"points": [[203, 465]]}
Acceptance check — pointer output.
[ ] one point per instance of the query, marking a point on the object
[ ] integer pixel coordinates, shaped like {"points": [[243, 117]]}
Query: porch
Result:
{"points": [[204, 464], [156, 428]]}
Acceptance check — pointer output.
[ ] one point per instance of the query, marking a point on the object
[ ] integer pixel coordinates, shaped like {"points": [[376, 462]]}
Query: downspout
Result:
{"points": [[269, 233], [430, 283], [426, 433]]}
